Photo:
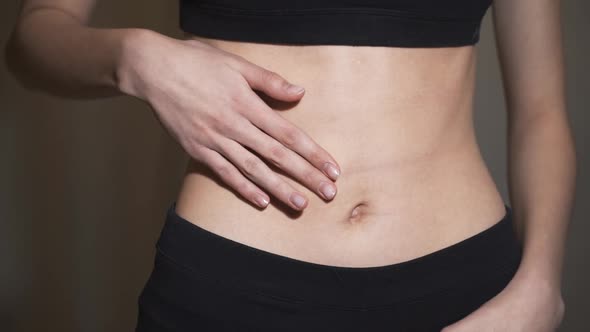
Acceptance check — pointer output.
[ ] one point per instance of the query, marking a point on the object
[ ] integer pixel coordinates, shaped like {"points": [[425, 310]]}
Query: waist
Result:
{"points": [[404, 141]]}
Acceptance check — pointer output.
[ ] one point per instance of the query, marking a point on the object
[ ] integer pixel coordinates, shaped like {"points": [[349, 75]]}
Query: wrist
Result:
{"points": [[541, 265], [128, 71], [542, 280]]}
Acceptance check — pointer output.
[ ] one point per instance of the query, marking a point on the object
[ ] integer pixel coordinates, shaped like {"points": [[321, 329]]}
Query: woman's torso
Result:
{"points": [[399, 123]]}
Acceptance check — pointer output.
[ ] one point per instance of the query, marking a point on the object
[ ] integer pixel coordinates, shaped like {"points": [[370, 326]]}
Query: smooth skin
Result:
{"points": [[60, 54]]}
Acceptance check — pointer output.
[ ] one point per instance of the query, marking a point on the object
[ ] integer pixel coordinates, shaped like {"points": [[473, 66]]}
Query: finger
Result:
{"points": [[230, 175], [269, 82], [285, 159], [292, 137], [256, 170]]}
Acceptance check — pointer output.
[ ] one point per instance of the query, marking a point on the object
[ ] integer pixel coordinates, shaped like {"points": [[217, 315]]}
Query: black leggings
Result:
{"points": [[202, 281]]}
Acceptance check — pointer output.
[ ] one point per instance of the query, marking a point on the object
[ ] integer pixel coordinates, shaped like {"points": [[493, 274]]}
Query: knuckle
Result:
{"points": [[243, 124], [277, 154], [219, 122], [273, 79], [289, 136], [233, 128], [199, 125], [316, 156], [195, 150], [214, 123], [224, 171], [252, 166], [234, 61], [308, 175], [251, 101], [238, 98], [204, 135], [243, 187]]}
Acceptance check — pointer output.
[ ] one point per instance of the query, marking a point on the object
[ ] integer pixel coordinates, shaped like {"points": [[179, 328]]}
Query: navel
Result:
{"points": [[357, 213]]}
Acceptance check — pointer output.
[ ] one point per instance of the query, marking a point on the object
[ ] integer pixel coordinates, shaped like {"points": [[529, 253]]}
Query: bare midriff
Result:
{"points": [[399, 122]]}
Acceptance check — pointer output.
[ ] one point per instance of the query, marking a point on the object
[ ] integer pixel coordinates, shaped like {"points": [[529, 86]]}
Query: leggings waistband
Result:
{"points": [[488, 254]]}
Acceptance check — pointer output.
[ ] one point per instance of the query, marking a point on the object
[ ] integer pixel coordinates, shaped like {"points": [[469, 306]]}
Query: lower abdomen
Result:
{"points": [[407, 207]]}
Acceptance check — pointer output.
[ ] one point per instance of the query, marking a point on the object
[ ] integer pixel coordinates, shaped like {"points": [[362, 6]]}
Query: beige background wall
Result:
{"points": [[84, 185]]}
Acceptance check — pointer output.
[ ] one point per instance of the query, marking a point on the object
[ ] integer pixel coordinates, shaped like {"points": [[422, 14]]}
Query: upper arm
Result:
{"points": [[529, 46], [77, 9]]}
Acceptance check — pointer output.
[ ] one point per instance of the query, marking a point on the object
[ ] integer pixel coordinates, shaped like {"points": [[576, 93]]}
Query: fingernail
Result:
{"points": [[297, 200], [328, 190], [295, 89], [261, 201], [331, 170]]}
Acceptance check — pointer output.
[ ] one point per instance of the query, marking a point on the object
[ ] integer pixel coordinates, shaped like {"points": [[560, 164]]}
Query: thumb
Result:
{"points": [[271, 83]]}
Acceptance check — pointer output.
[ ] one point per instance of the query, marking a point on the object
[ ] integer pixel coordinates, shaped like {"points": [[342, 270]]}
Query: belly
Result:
{"points": [[399, 123]]}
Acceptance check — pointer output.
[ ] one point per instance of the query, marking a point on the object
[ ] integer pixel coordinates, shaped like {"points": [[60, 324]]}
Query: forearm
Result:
{"points": [[542, 171], [53, 52]]}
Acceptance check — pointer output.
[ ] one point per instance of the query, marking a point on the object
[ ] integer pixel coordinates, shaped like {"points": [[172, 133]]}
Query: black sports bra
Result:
{"points": [[402, 23]]}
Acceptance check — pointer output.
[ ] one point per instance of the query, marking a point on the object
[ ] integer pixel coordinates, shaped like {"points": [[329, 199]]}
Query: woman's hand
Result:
{"points": [[203, 96], [527, 304]]}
